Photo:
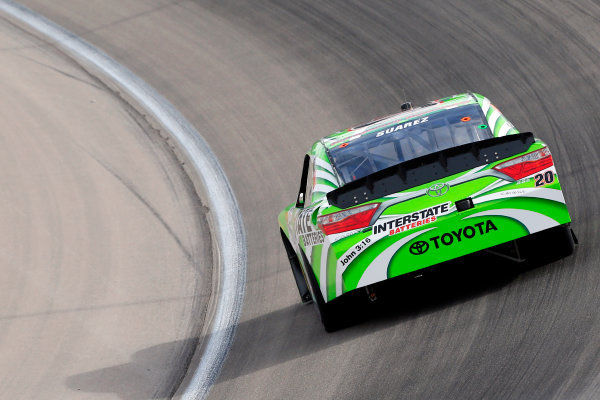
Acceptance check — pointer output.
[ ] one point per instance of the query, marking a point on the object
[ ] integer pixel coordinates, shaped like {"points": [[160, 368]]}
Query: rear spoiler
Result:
{"points": [[430, 167]]}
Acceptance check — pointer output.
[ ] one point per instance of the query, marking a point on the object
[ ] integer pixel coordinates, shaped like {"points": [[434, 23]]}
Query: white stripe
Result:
{"points": [[328, 176], [473, 171], [486, 105], [406, 195], [494, 185], [505, 128], [230, 234], [533, 221], [501, 182], [539, 193], [324, 164], [378, 269], [323, 273], [493, 119]]}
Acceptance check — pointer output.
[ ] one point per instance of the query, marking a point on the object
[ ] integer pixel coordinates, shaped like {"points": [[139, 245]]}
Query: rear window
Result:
{"points": [[411, 139]]}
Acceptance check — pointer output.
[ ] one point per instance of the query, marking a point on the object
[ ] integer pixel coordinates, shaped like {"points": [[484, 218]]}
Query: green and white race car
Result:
{"points": [[415, 189]]}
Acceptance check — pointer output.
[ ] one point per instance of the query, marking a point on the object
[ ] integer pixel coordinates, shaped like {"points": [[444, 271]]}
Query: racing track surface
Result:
{"points": [[262, 80], [104, 281]]}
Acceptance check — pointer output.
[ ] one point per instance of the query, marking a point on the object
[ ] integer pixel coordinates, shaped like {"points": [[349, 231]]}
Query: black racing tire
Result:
{"points": [[563, 243], [329, 312], [305, 295], [548, 245]]}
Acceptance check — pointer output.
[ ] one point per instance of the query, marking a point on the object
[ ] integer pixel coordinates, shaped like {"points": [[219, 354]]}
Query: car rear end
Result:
{"points": [[444, 204]]}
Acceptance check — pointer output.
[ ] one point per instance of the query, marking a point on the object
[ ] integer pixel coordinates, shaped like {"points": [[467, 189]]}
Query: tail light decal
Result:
{"points": [[346, 220], [527, 164]]}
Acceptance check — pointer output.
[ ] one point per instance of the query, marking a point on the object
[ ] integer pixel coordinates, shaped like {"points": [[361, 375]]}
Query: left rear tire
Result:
{"points": [[305, 295], [329, 312]]}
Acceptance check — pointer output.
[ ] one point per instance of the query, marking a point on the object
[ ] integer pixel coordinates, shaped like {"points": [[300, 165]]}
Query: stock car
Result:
{"points": [[415, 189]]}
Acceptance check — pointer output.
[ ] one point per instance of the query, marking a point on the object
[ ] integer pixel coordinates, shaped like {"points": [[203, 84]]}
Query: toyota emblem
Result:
{"points": [[418, 248], [438, 189]]}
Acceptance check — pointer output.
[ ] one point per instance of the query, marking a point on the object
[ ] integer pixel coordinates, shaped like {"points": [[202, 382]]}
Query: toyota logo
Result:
{"points": [[418, 248], [438, 189]]}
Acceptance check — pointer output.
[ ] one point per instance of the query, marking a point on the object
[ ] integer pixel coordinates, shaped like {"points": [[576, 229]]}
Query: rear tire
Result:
{"points": [[329, 312], [296, 270], [548, 245], [564, 244]]}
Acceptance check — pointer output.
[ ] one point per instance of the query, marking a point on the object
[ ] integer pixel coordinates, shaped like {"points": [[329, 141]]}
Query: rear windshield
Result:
{"points": [[401, 142]]}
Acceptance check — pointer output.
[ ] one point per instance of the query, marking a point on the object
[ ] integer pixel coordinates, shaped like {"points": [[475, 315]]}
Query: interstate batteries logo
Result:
{"points": [[413, 220], [449, 238]]}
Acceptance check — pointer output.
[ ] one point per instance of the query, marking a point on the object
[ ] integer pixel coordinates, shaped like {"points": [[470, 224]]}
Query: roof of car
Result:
{"points": [[380, 124]]}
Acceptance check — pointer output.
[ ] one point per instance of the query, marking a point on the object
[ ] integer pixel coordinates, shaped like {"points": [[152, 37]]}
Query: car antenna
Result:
{"points": [[407, 105]]}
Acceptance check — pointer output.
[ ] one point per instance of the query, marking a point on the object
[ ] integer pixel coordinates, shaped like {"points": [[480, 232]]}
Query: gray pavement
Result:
{"points": [[261, 80], [106, 255]]}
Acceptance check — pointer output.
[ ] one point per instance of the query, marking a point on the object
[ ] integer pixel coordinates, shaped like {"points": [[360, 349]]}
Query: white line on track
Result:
{"points": [[230, 233]]}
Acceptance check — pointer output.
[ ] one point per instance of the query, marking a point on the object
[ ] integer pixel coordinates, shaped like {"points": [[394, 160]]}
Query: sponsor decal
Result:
{"points": [[419, 247], [413, 220], [354, 251], [452, 237], [403, 125], [544, 179], [512, 193], [304, 225], [438, 189], [313, 238], [307, 231]]}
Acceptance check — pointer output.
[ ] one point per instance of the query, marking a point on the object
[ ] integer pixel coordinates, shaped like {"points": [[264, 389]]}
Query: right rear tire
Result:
{"points": [[548, 245]]}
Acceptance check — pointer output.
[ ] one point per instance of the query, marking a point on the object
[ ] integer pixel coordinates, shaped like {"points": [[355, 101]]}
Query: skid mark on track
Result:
{"points": [[131, 188]]}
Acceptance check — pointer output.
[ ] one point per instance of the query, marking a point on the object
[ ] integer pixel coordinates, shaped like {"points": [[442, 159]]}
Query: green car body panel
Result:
{"points": [[421, 226]]}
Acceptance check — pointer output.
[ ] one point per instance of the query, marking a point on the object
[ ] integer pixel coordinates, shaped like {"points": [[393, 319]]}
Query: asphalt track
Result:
{"points": [[262, 80], [100, 238]]}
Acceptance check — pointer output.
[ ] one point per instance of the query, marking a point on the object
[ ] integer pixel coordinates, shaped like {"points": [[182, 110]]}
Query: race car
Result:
{"points": [[415, 189]]}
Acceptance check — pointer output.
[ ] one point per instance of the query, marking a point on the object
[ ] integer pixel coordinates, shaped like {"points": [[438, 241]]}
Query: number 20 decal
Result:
{"points": [[544, 179]]}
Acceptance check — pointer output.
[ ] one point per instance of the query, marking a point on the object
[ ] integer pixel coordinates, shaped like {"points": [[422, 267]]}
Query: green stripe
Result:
{"points": [[331, 266], [316, 262], [499, 123], [324, 181]]}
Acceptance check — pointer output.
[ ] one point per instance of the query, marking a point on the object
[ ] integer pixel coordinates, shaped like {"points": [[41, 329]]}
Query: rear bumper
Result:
{"points": [[366, 258]]}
